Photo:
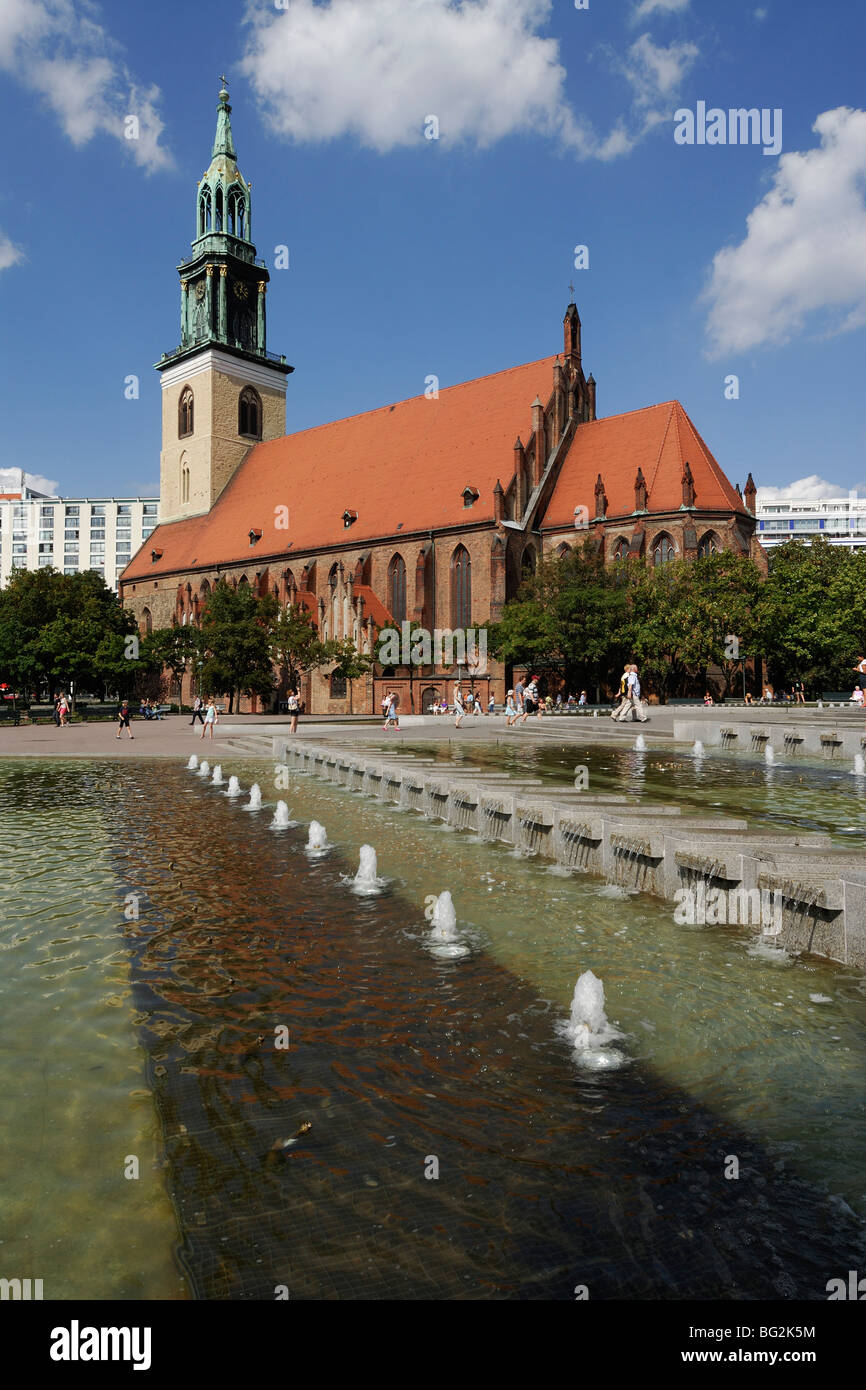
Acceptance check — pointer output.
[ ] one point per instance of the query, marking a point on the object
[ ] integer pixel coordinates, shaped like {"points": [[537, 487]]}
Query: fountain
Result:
{"points": [[255, 801], [769, 756], [640, 744], [698, 749], [218, 778], [317, 840], [366, 880], [444, 938], [234, 787], [204, 769], [859, 768], [281, 819], [193, 762], [588, 1029]]}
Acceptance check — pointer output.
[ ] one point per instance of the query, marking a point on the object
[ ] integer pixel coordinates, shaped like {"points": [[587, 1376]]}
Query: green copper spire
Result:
{"points": [[223, 284], [223, 140]]}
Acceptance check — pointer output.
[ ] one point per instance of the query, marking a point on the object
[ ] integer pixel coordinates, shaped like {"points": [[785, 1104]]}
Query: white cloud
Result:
{"points": [[375, 69], [760, 14], [811, 489], [10, 481], [803, 252], [10, 254], [656, 71], [56, 48], [648, 7]]}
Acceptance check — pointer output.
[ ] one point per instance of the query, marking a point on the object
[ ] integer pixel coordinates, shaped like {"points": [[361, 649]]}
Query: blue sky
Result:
{"points": [[411, 256]]}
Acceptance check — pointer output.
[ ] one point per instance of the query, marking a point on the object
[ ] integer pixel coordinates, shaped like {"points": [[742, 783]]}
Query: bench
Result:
{"points": [[9, 715]]}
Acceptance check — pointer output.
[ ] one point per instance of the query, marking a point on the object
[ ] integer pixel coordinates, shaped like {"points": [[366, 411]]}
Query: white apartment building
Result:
{"points": [[840, 520], [72, 533]]}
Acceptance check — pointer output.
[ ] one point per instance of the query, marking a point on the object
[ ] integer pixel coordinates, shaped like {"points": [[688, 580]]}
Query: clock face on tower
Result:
{"points": [[241, 290], [200, 291]]}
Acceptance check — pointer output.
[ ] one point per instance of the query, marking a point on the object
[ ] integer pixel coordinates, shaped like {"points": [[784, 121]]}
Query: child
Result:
{"points": [[123, 720], [510, 709]]}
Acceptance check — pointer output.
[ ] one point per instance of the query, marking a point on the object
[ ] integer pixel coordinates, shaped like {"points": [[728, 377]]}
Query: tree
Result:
{"points": [[812, 619], [350, 663], [296, 646], [571, 617], [170, 648], [58, 629], [236, 643], [684, 612]]}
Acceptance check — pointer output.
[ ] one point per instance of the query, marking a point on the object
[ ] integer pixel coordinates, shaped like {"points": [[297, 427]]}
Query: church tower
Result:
{"points": [[222, 391]]}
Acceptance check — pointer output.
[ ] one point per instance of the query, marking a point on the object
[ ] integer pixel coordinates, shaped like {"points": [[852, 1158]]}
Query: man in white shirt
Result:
{"points": [[634, 693], [631, 705]]}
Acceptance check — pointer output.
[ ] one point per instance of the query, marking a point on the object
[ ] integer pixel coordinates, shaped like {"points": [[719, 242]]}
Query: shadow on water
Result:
{"points": [[548, 1178]]}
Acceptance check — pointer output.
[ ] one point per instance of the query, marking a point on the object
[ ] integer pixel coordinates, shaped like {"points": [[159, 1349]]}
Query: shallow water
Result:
{"points": [[548, 1175], [794, 792]]}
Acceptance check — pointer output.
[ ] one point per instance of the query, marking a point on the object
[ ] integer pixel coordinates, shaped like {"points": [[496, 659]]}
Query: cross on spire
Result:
{"points": [[224, 81]]}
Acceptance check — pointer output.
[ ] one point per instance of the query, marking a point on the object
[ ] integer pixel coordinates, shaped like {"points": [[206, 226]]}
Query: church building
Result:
{"points": [[428, 511]]}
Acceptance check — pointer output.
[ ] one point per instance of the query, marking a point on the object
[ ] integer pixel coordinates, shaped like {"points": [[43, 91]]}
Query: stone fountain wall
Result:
{"points": [[652, 848]]}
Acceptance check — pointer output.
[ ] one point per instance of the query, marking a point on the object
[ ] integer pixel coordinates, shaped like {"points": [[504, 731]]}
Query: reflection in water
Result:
{"points": [[308, 1057]]}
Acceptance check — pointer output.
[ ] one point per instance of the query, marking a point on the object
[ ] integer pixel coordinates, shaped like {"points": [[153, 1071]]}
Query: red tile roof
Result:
{"points": [[659, 440], [400, 467]]}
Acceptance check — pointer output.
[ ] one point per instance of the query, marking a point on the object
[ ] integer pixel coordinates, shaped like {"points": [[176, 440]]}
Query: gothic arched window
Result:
{"points": [[250, 413], [461, 588], [397, 588], [528, 562], [204, 213], [218, 220], [185, 414], [663, 550], [184, 480], [146, 620], [620, 550], [710, 544]]}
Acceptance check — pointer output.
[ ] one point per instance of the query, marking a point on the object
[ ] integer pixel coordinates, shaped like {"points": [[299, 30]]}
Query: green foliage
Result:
{"points": [[583, 619], [295, 644], [349, 663], [57, 628], [235, 644], [812, 622]]}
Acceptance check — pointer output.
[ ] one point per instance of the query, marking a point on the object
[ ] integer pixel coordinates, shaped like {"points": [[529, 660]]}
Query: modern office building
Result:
{"points": [[840, 520], [71, 533]]}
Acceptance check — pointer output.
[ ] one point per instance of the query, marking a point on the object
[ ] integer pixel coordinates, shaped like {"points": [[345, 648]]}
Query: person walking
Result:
{"points": [[491, 704], [531, 700], [57, 709], [197, 711], [392, 718], [510, 710], [621, 696], [123, 719], [519, 688], [63, 710], [293, 706], [476, 703], [211, 718], [634, 695], [459, 709]]}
